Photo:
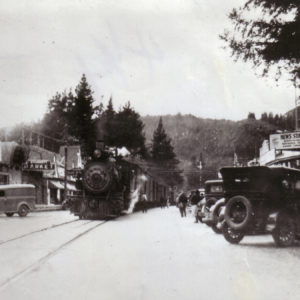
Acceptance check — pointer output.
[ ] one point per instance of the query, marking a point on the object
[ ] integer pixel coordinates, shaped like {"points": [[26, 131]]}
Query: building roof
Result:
{"points": [[13, 186]]}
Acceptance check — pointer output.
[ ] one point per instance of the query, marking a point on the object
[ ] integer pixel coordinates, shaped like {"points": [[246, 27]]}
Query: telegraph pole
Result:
{"points": [[66, 162], [66, 175]]}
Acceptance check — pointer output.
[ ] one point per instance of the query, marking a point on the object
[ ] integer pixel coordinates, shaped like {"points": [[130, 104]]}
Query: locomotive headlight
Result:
{"points": [[97, 153]]}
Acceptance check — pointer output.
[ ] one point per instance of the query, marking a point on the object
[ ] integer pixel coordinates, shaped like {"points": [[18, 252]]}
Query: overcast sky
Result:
{"points": [[162, 55]]}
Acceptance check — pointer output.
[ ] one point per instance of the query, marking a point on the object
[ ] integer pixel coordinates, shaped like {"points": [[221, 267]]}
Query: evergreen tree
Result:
{"points": [[161, 145], [59, 115], [251, 116], [128, 130], [82, 126], [164, 156], [109, 124], [267, 33]]}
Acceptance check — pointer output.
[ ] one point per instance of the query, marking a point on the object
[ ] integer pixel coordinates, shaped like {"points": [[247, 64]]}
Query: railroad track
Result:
{"points": [[37, 263], [37, 231]]}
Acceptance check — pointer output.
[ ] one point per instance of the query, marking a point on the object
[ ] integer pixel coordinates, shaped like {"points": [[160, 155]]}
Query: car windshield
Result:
{"points": [[216, 188]]}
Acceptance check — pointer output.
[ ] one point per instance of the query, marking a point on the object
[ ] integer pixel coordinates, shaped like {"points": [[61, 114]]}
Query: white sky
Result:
{"points": [[162, 55]]}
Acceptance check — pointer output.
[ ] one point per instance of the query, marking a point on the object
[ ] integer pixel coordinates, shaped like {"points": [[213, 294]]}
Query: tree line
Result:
{"points": [[74, 118]]}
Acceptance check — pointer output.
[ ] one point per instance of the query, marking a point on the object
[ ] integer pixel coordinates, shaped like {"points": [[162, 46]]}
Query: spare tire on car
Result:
{"points": [[238, 212]]}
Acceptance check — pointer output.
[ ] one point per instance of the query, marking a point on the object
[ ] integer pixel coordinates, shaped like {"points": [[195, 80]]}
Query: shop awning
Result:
{"points": [[56, 185], [71, 187]]}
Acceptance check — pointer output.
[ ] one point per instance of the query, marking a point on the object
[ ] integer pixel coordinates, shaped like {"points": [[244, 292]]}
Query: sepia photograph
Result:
{"points": [[149, 150]]}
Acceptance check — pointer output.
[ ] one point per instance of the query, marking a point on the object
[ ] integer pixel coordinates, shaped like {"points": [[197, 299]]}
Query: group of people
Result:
{"points": [[183, 201], [164, 202], [143, 200]]}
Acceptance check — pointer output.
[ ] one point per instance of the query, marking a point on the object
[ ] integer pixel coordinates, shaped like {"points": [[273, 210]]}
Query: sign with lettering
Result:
{"points": [[285, 141], [38, 166]]}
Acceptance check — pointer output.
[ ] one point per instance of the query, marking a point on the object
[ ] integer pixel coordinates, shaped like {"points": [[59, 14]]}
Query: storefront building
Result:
{"points": [[42, 168]]}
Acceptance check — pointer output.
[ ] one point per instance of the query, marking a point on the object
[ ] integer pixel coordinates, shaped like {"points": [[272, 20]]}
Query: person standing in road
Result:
{"points": [[195, 200], [182, 202], [144, 201]]}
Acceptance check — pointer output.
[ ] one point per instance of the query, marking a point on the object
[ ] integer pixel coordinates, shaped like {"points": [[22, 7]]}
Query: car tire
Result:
{"points": [[233, 212], [9, 214], [216, 228], [231, 235], [23, 210], [284, 234]]}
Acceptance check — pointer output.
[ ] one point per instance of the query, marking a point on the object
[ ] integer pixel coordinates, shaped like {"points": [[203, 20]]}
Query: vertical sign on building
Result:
{"points": [[297, 104], [297, 112]]}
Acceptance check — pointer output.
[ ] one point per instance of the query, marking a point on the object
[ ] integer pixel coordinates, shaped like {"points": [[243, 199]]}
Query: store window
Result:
{"points": [[4, 179]]}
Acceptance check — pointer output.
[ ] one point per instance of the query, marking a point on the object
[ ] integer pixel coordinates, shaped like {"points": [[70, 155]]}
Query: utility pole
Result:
{"points": [[66, 175], [66, 163], [297, 105], [200, 166]]}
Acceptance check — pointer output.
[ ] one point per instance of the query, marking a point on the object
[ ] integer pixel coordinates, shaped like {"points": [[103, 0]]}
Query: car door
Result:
{"points": [[10, 200], [2, 201]]}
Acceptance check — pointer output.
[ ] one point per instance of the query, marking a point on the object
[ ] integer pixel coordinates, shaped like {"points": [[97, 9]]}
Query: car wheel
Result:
{"points": [[284, 233], [238, 212], [9, 214], [217, 228], [23, 210], [231, 235]]}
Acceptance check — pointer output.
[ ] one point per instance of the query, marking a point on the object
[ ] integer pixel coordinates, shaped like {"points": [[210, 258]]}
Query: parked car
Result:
{"points": [[262, 200], [211, 206], [17, 198], [214, 216]]}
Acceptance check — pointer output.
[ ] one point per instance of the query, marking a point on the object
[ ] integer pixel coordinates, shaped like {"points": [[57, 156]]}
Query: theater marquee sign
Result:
{"points": [[285, 141]]}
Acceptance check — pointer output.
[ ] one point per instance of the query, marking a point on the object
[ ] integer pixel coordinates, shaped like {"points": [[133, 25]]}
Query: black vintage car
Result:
{"points": [[208, 208], [260, 200]]}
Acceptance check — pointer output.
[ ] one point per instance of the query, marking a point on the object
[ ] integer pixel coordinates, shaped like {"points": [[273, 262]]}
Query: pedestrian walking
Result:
{"points": [[182, 202], [144, 202]]}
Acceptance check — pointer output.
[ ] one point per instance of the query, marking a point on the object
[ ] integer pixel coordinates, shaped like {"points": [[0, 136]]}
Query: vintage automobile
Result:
{"points": [[214, 216], [262, 200], [212, 203], [17, 198]]}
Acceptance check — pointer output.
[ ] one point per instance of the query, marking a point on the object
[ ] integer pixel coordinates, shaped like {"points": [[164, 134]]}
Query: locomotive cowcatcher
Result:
{"points": [[104, 184]]}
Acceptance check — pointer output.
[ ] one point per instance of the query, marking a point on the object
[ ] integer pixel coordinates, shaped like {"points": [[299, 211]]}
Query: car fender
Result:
{"points": [[214, 209], [219, 203]]}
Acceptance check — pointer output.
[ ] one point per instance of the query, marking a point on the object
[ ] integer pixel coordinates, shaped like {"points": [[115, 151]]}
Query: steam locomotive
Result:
{"points": [[105, 187]]}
